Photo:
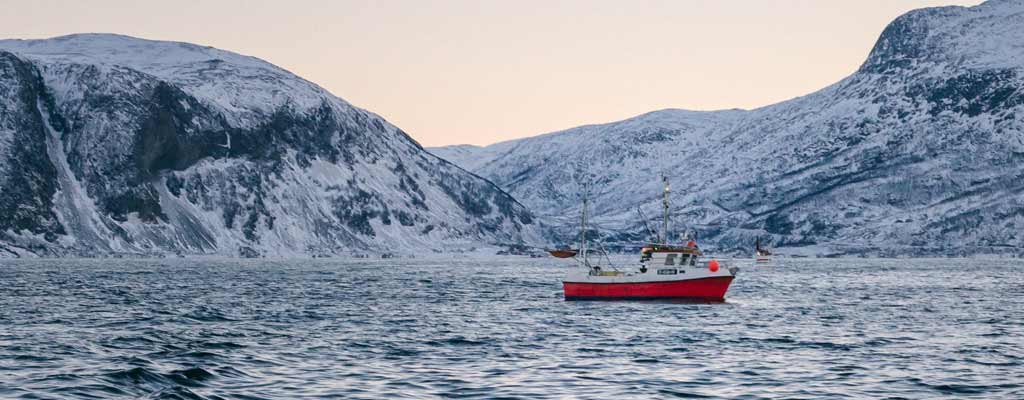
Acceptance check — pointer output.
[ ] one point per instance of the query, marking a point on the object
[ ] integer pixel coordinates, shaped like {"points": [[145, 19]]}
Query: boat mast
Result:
{"points": [[583, 226], [665, 204]]}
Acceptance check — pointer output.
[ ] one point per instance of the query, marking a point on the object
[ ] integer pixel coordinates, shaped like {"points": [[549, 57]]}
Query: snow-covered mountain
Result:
{"points": [[112, 145], [919, 151]]}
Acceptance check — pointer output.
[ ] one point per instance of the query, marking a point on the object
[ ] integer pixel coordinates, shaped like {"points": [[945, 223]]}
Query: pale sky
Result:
{"points": [[480, 71]]}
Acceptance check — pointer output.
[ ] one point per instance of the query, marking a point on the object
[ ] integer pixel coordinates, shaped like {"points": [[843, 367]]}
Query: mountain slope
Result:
{"points": [[920, 150], [111, 144]]}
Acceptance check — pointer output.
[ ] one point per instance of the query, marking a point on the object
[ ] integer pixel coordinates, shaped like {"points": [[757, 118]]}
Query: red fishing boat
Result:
{"points": [[665, 272]]}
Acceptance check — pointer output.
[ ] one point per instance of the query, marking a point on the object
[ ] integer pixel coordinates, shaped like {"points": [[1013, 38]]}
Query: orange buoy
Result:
{"points": [[713, 265]]}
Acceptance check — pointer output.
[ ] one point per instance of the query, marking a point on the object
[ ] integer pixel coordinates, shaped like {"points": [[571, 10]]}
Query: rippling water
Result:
{"points": [[499, 328]]}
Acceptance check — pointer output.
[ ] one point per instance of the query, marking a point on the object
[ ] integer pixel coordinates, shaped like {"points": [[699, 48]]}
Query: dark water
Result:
{"points": [[499, 328]]}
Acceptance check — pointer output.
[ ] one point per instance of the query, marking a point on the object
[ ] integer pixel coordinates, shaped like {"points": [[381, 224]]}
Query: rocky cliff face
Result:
{"points": [[921, 151], [116, 145]]}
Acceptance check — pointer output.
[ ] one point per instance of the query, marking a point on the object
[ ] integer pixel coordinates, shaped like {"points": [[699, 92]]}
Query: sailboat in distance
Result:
{"points": [[761, 255], [666, 271], [583, 178]]}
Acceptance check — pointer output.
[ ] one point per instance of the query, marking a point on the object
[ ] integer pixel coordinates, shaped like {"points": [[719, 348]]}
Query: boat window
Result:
{"points": [[667, 271], [670, 259], [685, 260], [693, 261]]}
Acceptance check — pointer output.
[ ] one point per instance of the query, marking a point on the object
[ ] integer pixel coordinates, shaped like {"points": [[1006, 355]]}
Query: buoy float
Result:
{"points": [[713, 265]]}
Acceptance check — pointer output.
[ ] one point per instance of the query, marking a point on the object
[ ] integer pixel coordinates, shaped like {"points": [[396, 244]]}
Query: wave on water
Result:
{"points": [[491, 328]]}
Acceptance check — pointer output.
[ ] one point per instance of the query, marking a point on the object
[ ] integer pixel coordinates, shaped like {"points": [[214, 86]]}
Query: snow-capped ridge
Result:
{"points": [[158, 57], [921, 151], [989, 35], [116, 145], [242, 87]]}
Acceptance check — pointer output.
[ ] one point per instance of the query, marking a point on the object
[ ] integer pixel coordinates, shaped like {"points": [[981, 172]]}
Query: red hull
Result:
{"points": [[710, 289]]}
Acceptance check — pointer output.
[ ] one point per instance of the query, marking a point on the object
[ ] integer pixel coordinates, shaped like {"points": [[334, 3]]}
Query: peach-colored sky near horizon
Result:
{"points": [[479, 72]]}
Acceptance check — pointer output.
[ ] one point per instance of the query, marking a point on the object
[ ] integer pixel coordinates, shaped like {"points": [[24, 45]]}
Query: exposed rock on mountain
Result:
{"points": [[117, 145]]}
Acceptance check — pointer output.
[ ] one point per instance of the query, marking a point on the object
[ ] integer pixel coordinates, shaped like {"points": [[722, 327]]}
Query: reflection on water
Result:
{"points": [[499, 327]]}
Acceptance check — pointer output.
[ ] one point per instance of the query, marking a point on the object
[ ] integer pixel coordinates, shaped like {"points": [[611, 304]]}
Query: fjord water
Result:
{"points": [[498, 327]]}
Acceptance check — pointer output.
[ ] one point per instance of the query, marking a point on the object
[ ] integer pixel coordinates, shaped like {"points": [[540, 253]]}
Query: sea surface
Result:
{"points": [[499, 328]]}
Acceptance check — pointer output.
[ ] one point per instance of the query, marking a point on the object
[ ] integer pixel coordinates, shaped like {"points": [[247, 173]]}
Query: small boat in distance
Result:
{"points": [[563, 253], [666, 271], [761, 255]]}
